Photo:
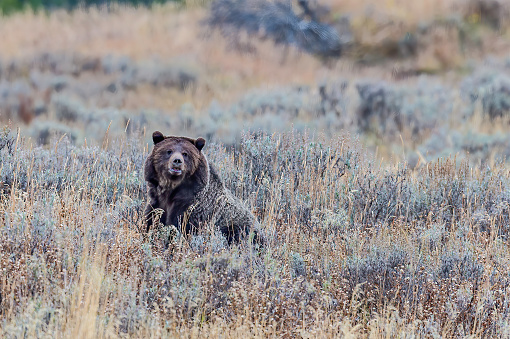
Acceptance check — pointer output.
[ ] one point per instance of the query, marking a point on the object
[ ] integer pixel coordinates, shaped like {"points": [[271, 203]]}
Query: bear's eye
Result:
{"points": [[184, 154], [169, 152]]}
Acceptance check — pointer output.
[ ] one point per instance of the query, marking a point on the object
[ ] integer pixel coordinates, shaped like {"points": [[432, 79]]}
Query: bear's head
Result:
{"points": [[173, 159]]}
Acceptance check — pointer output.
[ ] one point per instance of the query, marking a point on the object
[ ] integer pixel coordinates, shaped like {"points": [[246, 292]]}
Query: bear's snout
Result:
{"points": [[175, 164], [177, 161]]}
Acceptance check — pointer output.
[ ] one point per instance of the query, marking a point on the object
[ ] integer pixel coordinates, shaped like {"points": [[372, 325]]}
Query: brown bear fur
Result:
{"points": [[188, 189]]}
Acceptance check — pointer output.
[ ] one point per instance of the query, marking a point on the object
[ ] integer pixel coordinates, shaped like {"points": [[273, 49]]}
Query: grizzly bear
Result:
{"points": [[188, 189]]}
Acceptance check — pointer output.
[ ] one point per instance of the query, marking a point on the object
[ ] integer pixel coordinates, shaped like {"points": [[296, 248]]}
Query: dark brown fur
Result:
{"points": [[194, 196]]}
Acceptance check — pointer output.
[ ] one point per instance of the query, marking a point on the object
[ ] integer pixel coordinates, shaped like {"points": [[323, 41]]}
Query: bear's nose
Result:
{"points": [[177, 161]]}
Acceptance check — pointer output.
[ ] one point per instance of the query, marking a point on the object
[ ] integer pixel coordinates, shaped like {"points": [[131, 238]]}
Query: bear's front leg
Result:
{"points": [[172, 218]]}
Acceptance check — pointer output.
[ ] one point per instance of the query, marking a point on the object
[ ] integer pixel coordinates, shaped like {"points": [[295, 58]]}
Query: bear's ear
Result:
{"points": [[200, 143], [157, 137]]}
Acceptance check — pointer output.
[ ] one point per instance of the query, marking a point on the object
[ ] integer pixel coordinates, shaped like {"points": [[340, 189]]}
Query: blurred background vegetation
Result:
{"points": [[415, 81], [11, 6]]}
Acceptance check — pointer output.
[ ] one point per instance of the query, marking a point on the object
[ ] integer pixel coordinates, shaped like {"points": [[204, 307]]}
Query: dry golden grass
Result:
{"points": [[353, 250], [412, 12]]}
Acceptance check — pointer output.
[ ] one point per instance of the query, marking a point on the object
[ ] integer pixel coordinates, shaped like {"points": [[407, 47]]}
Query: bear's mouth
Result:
{"points": [[175, 171]]}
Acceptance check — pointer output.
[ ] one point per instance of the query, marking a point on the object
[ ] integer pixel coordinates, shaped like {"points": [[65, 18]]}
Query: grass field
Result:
{"points": [[353, 249], [378, 224]]}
